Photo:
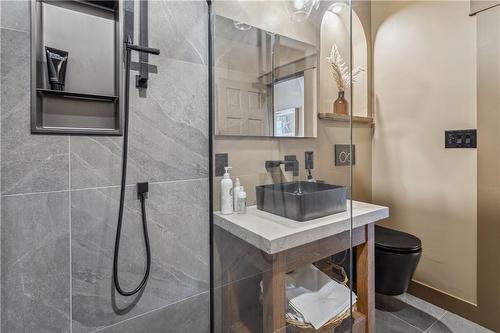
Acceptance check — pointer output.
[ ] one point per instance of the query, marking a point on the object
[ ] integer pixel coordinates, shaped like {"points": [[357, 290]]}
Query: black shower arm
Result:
{"points": [[145, 49]]}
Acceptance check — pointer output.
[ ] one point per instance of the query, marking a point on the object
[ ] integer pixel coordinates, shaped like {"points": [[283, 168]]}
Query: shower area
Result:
{"points": [[61, 167], [249, 166]]}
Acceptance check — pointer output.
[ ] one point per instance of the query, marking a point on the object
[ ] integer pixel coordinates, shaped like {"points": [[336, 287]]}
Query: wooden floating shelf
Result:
{"points": [[337, 117]]}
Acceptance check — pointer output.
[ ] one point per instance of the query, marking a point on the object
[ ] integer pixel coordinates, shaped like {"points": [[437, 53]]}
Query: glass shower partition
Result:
{"points": [[286, 263]]}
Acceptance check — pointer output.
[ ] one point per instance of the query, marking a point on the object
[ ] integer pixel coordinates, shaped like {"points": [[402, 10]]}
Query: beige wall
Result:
{"points": [[488, 123], [424, 83], [247, 157]]}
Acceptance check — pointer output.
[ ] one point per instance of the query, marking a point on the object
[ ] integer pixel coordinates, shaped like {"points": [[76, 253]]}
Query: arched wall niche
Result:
{"points": [[334, 28]]}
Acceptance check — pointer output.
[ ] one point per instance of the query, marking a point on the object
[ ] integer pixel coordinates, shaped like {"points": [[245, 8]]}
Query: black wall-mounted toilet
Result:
{"points": [[396, 257]]}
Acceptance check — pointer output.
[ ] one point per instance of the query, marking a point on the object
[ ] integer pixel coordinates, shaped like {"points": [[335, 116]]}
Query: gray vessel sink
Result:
{"points": [[302, 201]]}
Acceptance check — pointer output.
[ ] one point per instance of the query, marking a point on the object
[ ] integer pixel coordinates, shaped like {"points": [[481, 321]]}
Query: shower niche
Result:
{"points": [[90, 33]]}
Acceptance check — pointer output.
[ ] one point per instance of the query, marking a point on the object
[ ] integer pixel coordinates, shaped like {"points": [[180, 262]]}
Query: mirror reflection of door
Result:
{"points": [[242, 109], [242, 56], [258, 75]]}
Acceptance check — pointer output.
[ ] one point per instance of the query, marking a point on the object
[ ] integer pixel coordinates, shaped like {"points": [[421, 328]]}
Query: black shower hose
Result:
{"points": [[142, 197]]}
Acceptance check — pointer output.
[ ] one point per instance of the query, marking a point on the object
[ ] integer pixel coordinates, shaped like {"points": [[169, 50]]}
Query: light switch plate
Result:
{"points": [[460, 138], [221, 161], [290, 158]]}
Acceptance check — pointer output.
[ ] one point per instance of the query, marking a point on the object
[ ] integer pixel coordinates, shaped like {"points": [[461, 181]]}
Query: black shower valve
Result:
{"points": [[141, 81], [142, 189]]}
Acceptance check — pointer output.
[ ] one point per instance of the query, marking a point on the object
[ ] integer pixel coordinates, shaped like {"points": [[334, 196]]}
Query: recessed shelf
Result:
{"points": [[76, 95], [337, 117], [90, 32], [65, 112], [105, 5]]}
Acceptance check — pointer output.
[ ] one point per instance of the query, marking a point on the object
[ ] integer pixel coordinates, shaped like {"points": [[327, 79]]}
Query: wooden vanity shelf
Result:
{"points": [[358, 325], [337, 117]]}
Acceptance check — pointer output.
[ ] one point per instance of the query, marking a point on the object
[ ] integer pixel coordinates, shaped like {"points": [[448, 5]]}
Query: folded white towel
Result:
{"points": [[319, 298]]}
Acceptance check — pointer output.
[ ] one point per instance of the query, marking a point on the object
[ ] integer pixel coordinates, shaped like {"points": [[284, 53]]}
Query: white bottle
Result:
{"points": [[242, 201], [226, 193], [236, 191]]}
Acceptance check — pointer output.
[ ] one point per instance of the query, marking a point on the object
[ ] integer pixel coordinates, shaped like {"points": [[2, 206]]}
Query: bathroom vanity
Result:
{"points": [[286, 244]]}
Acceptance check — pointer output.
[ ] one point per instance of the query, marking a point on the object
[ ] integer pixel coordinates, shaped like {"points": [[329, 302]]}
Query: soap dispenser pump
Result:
{"points": [[226, 193]]}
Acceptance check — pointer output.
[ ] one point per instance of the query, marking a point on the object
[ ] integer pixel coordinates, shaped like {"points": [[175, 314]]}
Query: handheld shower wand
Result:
{"points": [[142, 188]]}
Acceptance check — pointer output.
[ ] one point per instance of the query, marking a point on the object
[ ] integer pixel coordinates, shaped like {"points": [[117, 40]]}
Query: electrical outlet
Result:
{"points": [[461, 139]]}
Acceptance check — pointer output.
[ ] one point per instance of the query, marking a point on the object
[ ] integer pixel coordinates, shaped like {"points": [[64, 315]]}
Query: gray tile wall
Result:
{"points": [[59, 194]]}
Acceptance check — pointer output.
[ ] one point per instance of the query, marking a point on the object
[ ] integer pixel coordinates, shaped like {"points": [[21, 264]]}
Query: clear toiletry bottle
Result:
{"points": [[226, 193], [242, 201], [236, 191]]}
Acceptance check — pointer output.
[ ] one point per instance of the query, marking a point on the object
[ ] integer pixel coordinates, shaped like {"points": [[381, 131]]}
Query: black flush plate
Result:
{"points": [[461, 139], [343, 155]]}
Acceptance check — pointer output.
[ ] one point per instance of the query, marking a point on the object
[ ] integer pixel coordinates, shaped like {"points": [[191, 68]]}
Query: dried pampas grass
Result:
{"points": [[340, 70]]}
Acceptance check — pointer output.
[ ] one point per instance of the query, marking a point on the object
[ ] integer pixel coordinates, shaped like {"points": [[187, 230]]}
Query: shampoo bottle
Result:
{"points": [[226, 193]]}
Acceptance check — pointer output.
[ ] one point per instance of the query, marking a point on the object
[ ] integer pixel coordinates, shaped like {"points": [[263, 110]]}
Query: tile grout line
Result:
{"points": [[428, 328], [240, 279], [15, 30], [70, 245], [149, 312], [404, 321], [102, 187], [32, 193], [437, 321]]}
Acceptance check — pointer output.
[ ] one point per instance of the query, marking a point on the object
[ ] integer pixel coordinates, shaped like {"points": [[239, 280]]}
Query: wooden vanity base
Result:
{"points": [[274, 301]]}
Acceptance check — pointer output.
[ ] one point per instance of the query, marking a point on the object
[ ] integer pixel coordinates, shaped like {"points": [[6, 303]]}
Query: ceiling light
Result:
{"points": [[301, 9], [337, 8]]}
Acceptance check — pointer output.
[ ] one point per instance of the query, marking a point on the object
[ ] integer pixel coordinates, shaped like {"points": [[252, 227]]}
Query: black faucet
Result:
{"points": [[294, 163]]}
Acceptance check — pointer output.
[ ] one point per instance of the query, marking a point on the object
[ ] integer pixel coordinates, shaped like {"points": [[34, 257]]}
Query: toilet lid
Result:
{"points": [[394, 240]]}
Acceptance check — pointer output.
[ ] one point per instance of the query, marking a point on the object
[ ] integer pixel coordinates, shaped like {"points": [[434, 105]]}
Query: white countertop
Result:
{"points": [[272, 233]]}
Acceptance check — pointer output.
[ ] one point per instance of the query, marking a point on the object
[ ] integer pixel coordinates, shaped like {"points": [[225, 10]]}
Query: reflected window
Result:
{"points": [[289, 106]]}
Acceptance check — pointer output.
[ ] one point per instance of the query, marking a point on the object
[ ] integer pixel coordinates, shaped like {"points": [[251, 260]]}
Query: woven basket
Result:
{"points": [[332, 324]]}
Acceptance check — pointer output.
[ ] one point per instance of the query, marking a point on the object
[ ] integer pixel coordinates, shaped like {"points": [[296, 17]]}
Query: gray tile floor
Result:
{"points": [[409, 314]]}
